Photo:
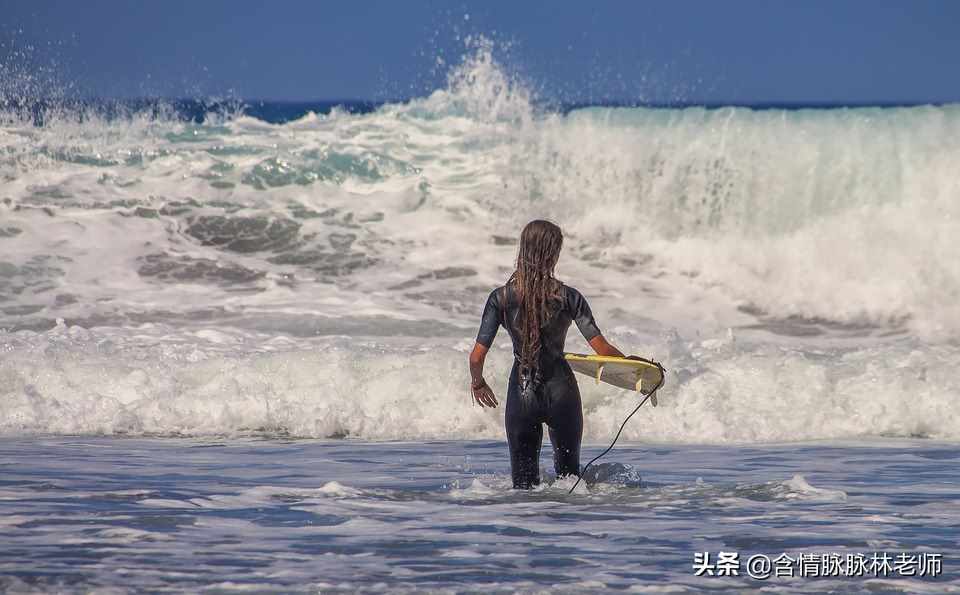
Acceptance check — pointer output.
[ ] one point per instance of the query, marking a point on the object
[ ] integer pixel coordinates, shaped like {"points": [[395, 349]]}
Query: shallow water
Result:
{"points": [[304, 515]]}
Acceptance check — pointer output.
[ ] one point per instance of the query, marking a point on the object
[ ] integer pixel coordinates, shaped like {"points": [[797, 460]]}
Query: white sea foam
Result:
{"points": [[798, 487], [93, 382], [795, 271]]}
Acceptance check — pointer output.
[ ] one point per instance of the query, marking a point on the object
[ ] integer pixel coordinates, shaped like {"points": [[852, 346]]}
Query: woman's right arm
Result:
{"points": [[583, 316], [603, 347]]}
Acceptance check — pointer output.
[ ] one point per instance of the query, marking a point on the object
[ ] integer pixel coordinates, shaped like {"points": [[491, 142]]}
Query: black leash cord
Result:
{"points": [[663, 377]]}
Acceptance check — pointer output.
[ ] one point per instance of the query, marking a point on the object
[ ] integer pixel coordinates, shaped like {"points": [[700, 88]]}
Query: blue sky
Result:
{"points": [[742, 52]]}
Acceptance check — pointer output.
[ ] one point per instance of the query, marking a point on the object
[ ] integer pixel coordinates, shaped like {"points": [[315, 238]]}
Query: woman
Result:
{"points": [[537, 310]]}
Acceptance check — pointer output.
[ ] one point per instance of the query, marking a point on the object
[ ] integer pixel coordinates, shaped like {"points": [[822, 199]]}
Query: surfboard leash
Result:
{"points": [[663, 377]]}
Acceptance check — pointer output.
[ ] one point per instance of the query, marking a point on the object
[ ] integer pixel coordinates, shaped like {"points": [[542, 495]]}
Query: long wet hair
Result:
{"points": [[536, 289]]}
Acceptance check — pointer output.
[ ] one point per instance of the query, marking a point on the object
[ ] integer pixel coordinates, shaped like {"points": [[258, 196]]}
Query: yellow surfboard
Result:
{"points": [[632, 374]]}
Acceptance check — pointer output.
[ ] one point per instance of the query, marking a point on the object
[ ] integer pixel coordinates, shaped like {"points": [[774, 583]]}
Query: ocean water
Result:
{"points": [[225, 515], [234, 346]]}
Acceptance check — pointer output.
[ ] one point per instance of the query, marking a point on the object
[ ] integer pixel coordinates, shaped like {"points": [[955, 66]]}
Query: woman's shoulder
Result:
{"points": [[569, 291], [498, 294], [572, 298], [507, 293]]}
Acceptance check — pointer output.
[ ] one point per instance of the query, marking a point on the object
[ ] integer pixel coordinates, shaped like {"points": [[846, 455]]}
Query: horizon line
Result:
{"points": [[550, 103]]}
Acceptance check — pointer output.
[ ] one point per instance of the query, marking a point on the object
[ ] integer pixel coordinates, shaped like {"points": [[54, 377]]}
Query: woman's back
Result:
{"points": [[504, 307]]}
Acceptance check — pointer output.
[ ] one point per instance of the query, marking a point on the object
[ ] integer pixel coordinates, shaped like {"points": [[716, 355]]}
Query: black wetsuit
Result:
{"points": [[548, 395]]}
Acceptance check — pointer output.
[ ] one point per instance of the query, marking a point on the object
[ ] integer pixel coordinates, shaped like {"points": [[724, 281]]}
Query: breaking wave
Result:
{"points": [[796, 270]]}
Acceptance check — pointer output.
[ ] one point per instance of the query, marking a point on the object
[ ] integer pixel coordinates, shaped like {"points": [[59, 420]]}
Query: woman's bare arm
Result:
{"points": [[603, 347], [482, 393], [477, 357]]}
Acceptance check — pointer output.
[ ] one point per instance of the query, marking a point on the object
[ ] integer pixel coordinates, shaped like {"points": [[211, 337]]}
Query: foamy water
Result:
{"points": [[794, 270]]}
